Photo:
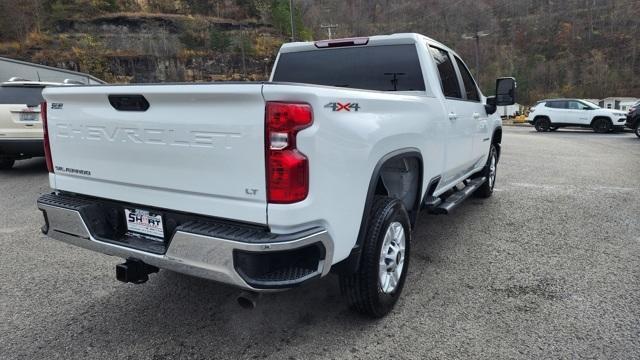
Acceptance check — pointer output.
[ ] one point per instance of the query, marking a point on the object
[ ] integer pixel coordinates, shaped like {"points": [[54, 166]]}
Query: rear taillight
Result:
{"points": [[287, 168], [45, 130]]}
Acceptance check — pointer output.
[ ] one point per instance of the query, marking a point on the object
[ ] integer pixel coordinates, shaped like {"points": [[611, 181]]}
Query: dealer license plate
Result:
{"points": [[144, 222]]}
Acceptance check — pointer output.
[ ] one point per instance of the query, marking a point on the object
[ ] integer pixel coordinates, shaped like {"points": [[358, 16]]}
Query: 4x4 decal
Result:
{"points": [[336, 106]]}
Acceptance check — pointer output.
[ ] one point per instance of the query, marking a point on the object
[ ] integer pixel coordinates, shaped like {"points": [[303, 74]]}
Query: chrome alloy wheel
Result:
{"points": [[492, 171], [391, 262]]}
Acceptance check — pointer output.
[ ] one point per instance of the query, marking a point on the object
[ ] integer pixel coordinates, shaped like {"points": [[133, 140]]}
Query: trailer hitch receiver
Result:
{"points": [[134, 271]]}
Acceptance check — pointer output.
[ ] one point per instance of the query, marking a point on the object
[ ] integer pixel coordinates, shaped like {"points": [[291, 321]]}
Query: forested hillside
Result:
{"points": [[582, 48]]}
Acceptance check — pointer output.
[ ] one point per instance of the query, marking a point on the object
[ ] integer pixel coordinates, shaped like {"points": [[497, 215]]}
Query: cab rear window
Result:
{"points": [[382, 68], [21, 95]]}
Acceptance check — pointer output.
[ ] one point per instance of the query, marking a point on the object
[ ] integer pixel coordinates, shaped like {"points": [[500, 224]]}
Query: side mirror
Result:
{"points": [[491, 107], [505, 91]]}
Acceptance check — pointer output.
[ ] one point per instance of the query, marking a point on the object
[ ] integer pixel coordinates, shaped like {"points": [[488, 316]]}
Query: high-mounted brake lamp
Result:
{"points": [[342, 42]]}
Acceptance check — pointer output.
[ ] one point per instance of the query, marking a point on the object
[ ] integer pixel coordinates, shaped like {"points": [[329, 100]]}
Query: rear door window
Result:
{"points": [[557, 104], [382, 68], [21, 95], [448, 76], [577, 105], [470, 87]]}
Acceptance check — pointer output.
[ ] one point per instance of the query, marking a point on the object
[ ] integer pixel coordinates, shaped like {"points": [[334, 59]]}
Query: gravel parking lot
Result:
{"points": [[547, 268]]}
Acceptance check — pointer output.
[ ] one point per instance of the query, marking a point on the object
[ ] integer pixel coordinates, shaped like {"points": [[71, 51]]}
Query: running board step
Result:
{"points": [[431, 202], [455, 199]]}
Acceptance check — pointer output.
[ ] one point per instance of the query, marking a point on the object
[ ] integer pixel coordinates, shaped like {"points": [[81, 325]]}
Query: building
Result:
{"points": [[29, 71], [618, 103]]}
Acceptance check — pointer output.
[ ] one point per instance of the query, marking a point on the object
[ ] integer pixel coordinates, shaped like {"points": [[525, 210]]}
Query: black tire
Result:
{"points": [[6, 164], [489, 171], [542, 124], [553, 128], [363, 289], [601, 125], [637, 130]]}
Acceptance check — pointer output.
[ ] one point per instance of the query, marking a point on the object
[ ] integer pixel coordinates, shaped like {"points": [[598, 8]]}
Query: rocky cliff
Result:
{"points": [[137, 47]]}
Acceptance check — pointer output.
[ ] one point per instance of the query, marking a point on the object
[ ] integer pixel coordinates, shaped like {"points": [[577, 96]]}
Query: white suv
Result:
{"points": [[20, 124], [549, 115]]}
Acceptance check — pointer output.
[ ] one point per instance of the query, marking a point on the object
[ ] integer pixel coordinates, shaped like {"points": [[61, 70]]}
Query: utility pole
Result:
{"points": [[476, 37], [266, 68], [242, 44], [293, 37], [329, 27]]}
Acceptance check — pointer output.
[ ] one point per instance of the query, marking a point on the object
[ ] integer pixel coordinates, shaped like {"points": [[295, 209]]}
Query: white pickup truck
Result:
{"points": [[267, 186]]}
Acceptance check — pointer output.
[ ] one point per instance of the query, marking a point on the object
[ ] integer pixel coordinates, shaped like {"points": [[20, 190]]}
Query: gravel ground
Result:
{"points": [[546, 268]]}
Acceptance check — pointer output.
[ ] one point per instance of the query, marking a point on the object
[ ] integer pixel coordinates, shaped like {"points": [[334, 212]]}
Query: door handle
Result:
{"points": [[453, 116], [476, 115]]}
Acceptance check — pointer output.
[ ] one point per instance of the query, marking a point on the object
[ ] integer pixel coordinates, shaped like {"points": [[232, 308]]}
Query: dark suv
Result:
{"points": [[633, 118]]}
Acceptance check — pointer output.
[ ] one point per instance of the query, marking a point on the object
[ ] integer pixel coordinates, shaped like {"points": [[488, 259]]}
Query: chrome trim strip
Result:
{"points": [[191, 254]]}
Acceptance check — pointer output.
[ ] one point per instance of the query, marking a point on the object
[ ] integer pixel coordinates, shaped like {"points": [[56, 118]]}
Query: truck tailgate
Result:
{"points": [[197, 148]]}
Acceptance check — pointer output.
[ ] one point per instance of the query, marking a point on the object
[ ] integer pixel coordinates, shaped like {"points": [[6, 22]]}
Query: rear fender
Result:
{"points": [[383, 182]]}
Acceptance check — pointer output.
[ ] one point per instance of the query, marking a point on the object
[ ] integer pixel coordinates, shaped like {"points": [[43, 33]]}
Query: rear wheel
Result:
{"points": [[543, 124], [6, 164], [489, 171], [376, 286], [601, 125], [637, 130]]}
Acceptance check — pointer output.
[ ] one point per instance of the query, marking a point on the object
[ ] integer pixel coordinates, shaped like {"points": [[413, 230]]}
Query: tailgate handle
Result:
{"points": [[129, 102]]}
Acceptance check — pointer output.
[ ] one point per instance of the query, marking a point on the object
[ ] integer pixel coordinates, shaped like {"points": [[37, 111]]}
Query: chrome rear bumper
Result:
{"points": [[189, 253]]}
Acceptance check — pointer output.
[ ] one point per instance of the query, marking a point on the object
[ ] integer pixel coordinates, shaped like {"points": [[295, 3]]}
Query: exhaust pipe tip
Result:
{"points": [[248, 300]]}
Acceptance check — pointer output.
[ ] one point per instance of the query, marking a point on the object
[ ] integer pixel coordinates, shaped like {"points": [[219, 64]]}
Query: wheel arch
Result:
{"points": [[389, 178], [537, 117], [600, 117], [496, 140]]}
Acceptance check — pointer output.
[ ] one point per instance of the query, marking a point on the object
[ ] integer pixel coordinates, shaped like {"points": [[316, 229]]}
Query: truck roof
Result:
{"points": [[393, 39], [563, 99]]}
